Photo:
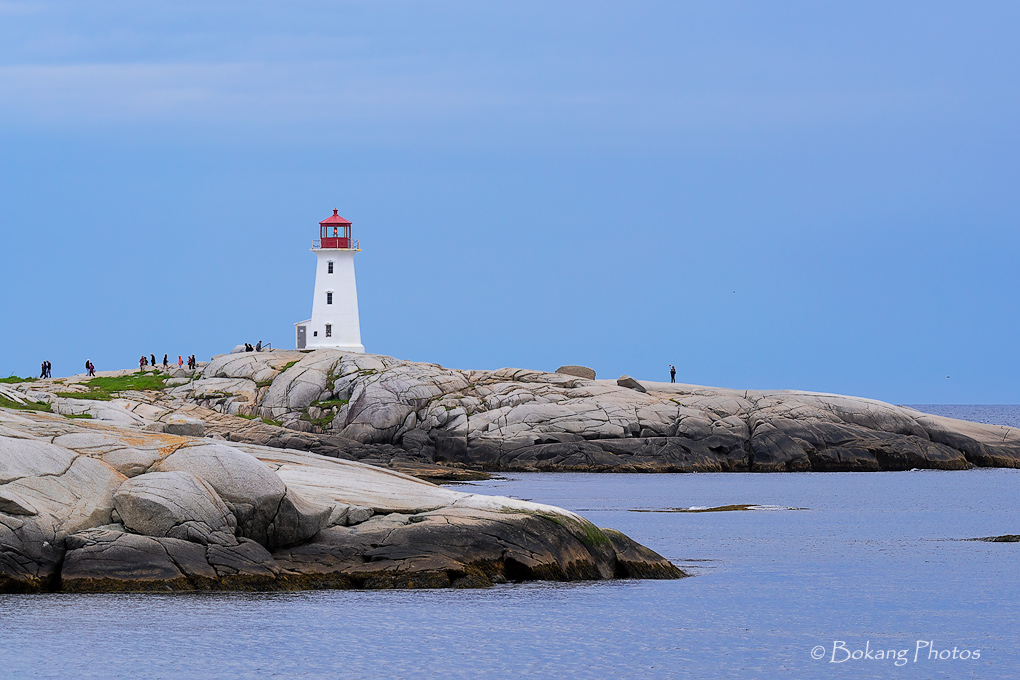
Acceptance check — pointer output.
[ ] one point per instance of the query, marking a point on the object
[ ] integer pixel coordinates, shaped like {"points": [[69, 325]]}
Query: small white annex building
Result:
{"points": [[334, 323]]}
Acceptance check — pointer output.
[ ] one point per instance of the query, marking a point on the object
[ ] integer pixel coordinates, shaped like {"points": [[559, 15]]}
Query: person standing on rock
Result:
{"points": [[166, 364], [141, 363], [258, 346], [48, 369], [90, 368], [672, 373], [180, 361], [42, 373], [152, 358]]}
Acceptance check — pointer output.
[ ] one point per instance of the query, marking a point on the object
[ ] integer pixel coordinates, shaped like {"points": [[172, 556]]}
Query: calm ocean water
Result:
{"points": [[870, 559]]}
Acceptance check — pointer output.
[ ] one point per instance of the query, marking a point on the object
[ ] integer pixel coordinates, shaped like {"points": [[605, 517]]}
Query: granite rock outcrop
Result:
{"points": [[381, 409], [90, 506], [442, 423]]}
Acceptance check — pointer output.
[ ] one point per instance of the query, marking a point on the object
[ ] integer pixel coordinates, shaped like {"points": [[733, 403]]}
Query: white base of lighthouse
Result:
{"points": [[334, 323]]}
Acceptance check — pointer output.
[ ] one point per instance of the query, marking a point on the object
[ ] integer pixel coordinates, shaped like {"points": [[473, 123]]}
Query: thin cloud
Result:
{"points": [[374, 94]]}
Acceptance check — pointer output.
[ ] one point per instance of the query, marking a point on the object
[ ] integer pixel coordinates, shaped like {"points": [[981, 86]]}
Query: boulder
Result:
{"points": [[184, 426], [248, 487], [577, 371], [630, 383], [175, 505]]}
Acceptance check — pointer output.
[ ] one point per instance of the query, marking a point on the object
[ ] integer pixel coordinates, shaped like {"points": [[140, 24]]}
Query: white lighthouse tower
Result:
{"points": [[334, 323]]}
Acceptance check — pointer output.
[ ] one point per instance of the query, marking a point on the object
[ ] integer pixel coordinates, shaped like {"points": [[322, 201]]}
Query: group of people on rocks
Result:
{"points": [[90, 368], [256, 348], [151, 360]]}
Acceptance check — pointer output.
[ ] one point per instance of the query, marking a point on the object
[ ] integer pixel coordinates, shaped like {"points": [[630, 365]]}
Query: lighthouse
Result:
{"points": [[334, 323]]}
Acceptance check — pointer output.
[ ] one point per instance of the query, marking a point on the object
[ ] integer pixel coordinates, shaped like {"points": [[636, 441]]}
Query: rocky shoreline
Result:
{"points": [[293, 470], [447, 424], [97, 507]]}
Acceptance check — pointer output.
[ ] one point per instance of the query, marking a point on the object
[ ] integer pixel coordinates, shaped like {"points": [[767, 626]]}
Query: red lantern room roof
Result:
{"points": [[334, 219]]}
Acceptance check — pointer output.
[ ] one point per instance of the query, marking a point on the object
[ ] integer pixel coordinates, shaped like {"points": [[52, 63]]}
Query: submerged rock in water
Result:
{"points": [[196, 515], [1006, 538]]}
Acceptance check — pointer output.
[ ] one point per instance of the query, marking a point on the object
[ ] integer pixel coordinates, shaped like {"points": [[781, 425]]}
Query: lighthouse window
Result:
{"points": [[329, 267], [329, 331], [329, 298]]}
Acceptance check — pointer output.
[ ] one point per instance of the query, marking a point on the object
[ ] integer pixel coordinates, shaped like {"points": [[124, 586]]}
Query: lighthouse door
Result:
{"points": [[300, 337]]}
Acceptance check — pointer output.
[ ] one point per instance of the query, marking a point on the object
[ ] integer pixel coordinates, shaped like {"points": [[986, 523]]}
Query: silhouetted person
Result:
{"points": [[672, 373], [166, 364], [141, 363], [42, 373], [152, 358], [90, 368], [48, 367], [258, 346]]}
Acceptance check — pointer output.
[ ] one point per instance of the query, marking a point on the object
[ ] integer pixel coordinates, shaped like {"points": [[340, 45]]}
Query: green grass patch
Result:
{"points": [[16, 379], [27, 406], [330, 403], [327, 418], [107, 388], [264, 383], [87, 416], [322, 422], [267, 421], [288, 365]]}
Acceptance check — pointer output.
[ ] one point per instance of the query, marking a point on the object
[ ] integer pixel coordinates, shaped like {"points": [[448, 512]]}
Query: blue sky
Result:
{"points": [[767, 195]]}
